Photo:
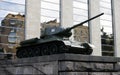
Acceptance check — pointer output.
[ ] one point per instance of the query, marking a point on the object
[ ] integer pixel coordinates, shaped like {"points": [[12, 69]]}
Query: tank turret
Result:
{"points": [[60, 32], [54, 41]]}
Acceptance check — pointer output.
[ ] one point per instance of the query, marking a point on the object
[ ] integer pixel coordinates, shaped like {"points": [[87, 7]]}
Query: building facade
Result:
{"points": [[12, 31]]}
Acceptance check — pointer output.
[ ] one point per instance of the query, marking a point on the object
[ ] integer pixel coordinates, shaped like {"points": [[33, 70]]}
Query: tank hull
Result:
{"points": [[49, 48]]}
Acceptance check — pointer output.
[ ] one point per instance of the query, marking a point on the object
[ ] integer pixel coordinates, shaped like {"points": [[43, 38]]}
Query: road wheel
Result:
{"points": [[44, 50], [53, 49]]}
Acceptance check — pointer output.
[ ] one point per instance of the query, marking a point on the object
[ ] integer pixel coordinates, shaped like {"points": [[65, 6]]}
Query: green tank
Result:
{"points": [[54, 41]]}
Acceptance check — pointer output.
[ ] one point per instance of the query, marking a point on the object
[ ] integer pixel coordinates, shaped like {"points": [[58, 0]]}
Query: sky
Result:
{"points": [[15, 1], [50, 10], [12, 6]]}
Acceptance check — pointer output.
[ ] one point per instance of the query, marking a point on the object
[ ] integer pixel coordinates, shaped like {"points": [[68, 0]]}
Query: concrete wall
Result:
{"points": [[62, 64]]}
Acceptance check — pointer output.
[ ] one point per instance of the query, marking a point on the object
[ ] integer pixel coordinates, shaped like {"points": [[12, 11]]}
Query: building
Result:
{"points": [[12, 31], [81, 34]]}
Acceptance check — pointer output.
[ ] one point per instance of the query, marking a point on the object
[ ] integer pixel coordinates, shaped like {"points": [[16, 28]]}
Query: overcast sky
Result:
{"points": [[16, 1]]}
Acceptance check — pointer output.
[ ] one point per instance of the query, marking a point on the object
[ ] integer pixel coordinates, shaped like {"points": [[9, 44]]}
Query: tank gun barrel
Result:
{"points": [[85, 21], [66, 32]]}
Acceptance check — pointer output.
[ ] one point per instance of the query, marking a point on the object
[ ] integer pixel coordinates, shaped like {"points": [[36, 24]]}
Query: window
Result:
{"points": [[13, 21], [12, 37]]}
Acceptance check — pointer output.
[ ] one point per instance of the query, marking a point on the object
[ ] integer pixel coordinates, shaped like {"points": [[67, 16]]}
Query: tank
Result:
{"points": [[55, 41]]}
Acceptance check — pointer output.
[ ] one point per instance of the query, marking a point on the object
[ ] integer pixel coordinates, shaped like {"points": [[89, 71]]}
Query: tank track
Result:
{"points": [[49, 48]]}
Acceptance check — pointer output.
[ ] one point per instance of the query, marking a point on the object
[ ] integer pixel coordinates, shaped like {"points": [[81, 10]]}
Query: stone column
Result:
{"points": [[116, 26], [66, 14], [94, 25], [32, 19]]}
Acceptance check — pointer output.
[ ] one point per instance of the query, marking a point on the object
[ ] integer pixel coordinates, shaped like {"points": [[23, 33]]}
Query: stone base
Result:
{"points": [[62, 64]]}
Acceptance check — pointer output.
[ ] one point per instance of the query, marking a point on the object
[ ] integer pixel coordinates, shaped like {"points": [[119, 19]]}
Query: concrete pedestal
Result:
{"points": [[62, 64]]}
